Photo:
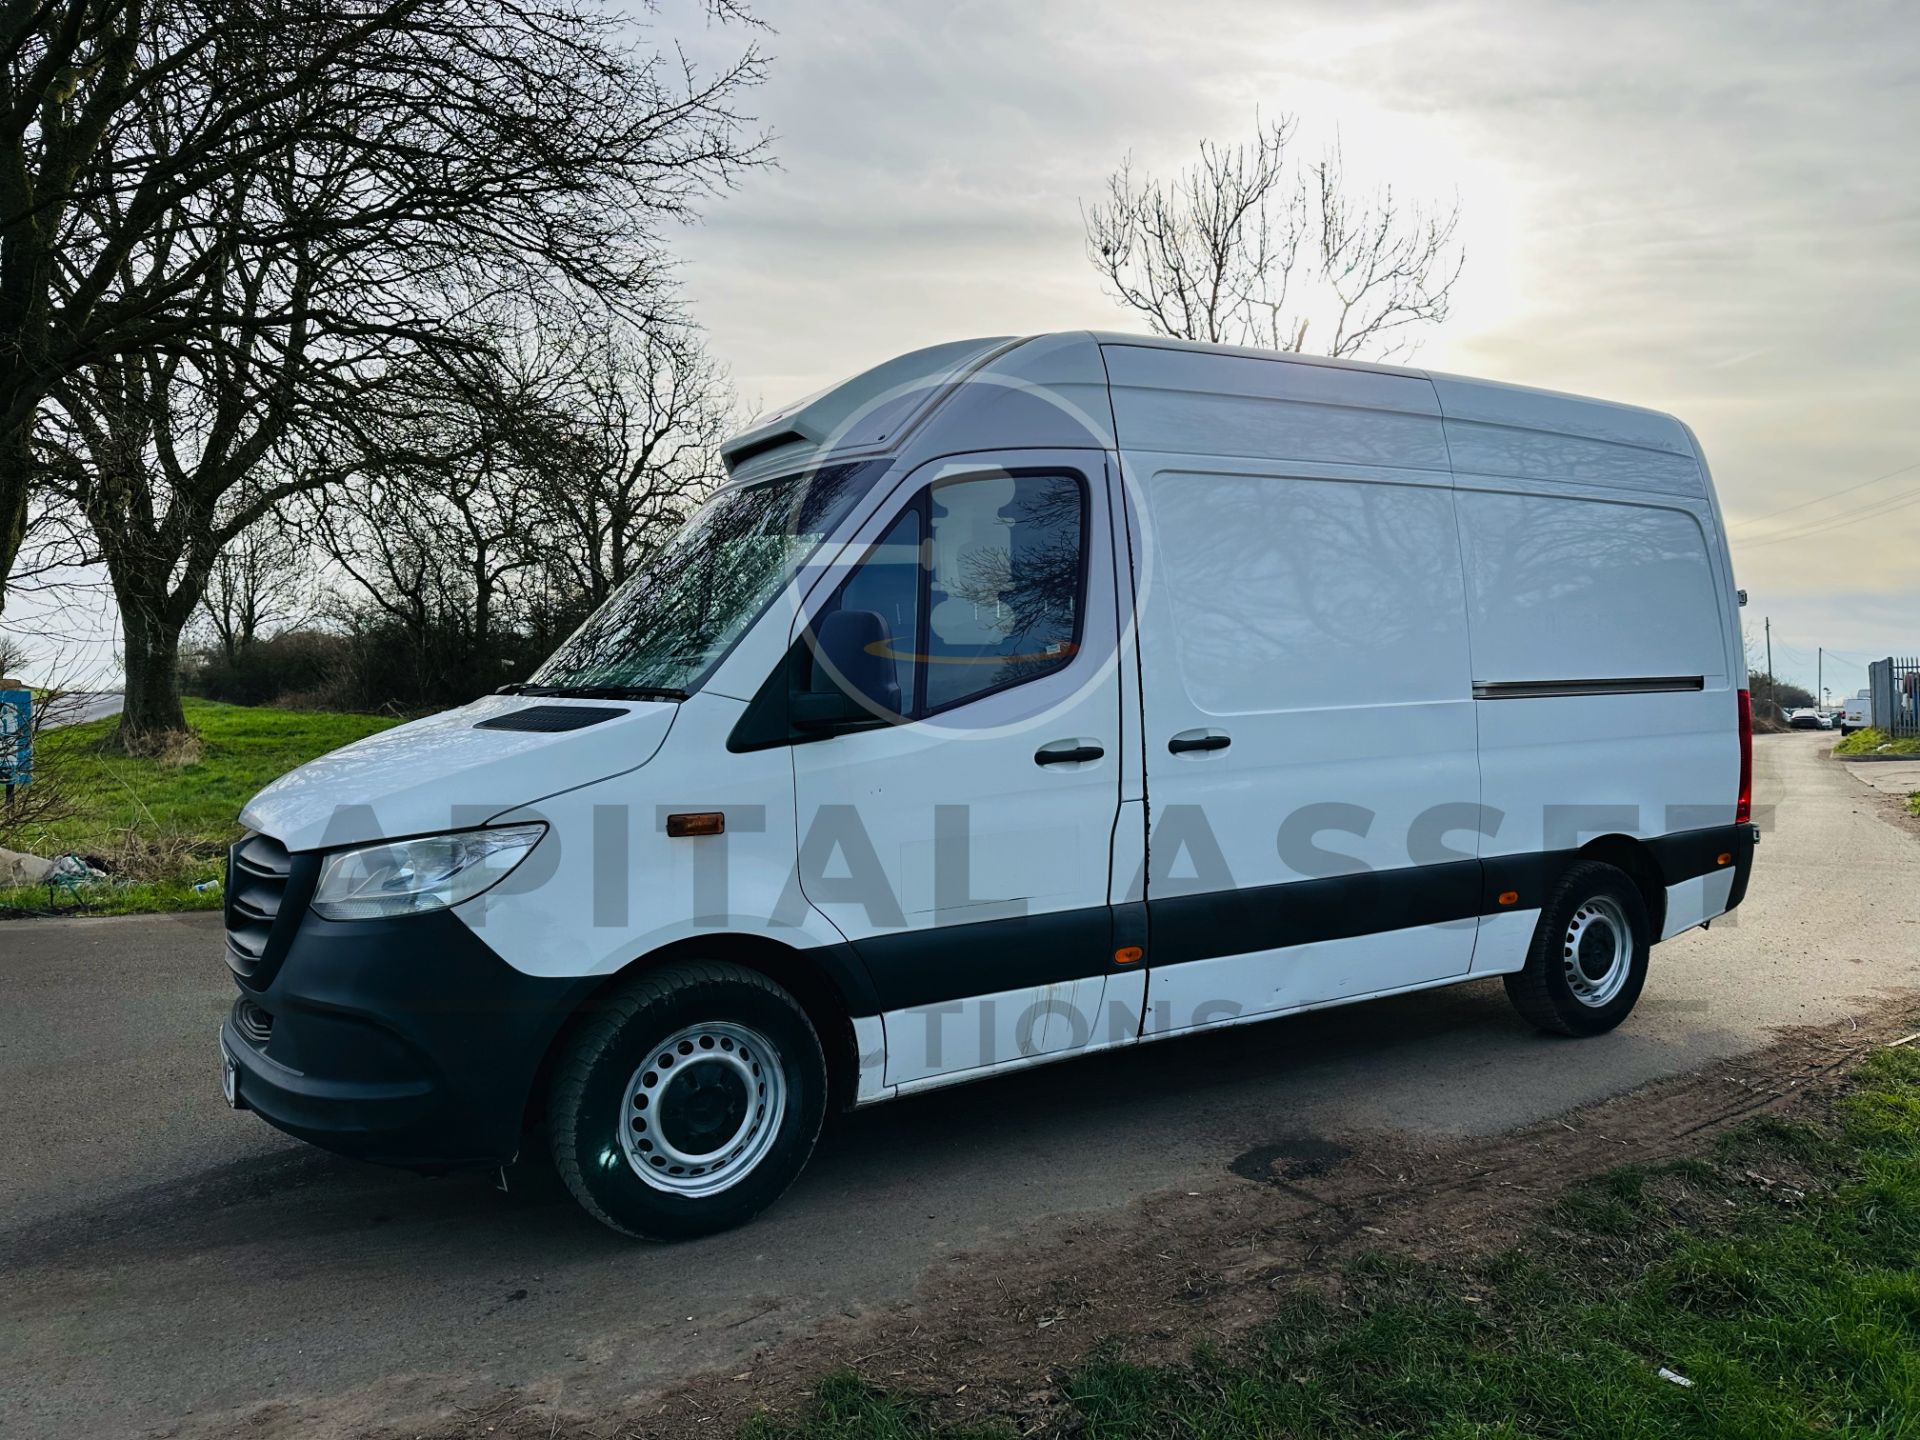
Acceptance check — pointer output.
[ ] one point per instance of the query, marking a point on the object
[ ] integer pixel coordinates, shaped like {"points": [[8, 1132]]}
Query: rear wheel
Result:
{"points": [[688, 1103], [1588, 960]]}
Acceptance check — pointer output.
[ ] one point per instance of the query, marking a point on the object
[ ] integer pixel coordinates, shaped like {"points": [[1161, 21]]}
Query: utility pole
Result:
{"points": [[1771, 705], [1820, 672]]}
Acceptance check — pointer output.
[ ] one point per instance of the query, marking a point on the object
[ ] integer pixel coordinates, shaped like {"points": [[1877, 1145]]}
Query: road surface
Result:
{"points": [[77, 707], [168, 1264]]}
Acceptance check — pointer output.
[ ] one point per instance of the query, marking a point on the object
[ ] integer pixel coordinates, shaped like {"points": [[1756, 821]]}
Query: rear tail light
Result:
{"points": [[1743, 807]]}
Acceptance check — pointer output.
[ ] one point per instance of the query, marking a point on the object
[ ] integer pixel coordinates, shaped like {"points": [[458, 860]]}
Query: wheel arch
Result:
{"points": [[828, 983], [1631, 855]]}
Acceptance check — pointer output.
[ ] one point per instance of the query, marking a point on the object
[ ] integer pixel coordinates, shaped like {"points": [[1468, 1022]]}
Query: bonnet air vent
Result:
{"points": [[551, 719]]}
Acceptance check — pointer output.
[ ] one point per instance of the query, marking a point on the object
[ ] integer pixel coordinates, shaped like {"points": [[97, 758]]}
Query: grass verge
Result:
{"points": [[1776, 1280], [162, 824], [1877, 742]]}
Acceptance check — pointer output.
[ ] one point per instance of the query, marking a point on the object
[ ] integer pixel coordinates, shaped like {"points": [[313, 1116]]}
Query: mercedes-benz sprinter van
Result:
{"points": [[1016, 700]]}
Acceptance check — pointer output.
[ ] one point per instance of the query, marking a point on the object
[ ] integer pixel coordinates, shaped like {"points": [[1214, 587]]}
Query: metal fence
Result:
{"points": [[1893, 691]]}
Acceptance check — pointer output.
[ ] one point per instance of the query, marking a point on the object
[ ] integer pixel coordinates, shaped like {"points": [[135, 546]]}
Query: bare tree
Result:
{"points": [[450, 152], [445, 512], [648, 409], [515, 489], [1249, 246], [475, 131], [259, 581]]}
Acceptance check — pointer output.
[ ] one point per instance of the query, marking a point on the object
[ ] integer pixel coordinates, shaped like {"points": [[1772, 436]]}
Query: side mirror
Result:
{"points": [[853, 673]]}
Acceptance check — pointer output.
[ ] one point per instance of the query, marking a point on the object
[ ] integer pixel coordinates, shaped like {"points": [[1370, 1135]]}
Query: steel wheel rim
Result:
{"points": [[678, 1123], [1597, 951]]}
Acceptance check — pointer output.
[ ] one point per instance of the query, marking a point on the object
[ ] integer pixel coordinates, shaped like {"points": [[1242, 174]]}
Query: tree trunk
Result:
{"points": [[152, 711], [16, 485]]}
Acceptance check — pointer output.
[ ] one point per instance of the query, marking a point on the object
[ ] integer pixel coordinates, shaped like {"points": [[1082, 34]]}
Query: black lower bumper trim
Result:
{"points": [[407, 1041]]}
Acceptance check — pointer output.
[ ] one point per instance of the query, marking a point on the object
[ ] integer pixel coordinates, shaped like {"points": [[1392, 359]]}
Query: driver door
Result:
{"points": [[962, 842]]}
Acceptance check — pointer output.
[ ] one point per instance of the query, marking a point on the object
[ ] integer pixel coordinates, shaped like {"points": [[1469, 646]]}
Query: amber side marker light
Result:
{"points": [[1725, 857], [704, 822], [1127, 954], [1509, 897]]}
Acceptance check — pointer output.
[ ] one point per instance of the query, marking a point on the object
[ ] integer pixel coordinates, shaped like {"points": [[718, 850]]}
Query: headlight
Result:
{"points": [[410, 877]]}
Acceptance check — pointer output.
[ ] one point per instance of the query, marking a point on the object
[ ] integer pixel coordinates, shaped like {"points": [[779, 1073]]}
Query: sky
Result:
{"points": [[1710, 209]]}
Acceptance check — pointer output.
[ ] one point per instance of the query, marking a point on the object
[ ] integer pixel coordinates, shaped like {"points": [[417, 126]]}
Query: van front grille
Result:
{"points": [[258, 869]]}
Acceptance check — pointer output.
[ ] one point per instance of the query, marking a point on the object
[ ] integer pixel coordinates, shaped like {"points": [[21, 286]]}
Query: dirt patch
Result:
{"points": [[1896, 810], [992, 1333]]}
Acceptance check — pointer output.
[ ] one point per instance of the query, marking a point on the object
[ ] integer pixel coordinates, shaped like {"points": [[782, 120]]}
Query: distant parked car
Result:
{"points": [[1805, 720]]}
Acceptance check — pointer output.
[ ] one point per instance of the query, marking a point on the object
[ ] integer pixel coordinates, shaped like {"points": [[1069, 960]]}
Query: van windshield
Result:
{"points": [[660, 633]]}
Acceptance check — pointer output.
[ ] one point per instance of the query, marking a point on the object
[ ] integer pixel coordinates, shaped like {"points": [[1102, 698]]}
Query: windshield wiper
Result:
{"points": [[596, 692]]}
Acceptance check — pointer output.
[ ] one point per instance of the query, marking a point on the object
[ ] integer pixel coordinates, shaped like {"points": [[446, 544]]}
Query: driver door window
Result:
{"points": [[992, 598]]}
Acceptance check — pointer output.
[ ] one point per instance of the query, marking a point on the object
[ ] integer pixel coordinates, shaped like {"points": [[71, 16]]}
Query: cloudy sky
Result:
{"points": [[1713, 209], [1709, 208]]}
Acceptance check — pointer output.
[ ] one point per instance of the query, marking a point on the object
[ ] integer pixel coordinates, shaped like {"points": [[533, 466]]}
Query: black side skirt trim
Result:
{"points": [[954, 962], [1300, 912]]}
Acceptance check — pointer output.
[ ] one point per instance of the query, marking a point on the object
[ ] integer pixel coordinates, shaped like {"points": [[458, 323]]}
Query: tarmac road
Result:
{"points": [[76, 707], [168, 1264]]}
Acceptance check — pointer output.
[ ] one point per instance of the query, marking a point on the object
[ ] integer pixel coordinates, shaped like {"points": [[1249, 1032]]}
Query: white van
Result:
{"points": [[1854, 713], [1016, 700]]}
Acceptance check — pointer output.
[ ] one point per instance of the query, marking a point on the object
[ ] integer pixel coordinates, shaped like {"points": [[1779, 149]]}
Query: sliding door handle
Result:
{"points": [[1189, 741], [1067, 755]]}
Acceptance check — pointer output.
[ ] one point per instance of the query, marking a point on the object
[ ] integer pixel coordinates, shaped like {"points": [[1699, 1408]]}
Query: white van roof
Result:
{"points": [[1482, 426]]}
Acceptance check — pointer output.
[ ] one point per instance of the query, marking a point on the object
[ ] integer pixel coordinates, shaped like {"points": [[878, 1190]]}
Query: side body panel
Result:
{"points": [[1605, 638], [1309, 727]]}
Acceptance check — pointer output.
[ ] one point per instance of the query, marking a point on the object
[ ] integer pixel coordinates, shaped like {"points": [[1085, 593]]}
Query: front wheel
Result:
{"points": [[1588, 960], [688, 1103]]}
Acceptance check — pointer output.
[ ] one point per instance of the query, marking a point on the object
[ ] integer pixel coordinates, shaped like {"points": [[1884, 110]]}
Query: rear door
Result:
{"points": [[1312, 780], [965, 850]]}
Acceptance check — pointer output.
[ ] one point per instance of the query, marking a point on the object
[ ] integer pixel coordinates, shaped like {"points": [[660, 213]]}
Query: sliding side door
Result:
{"points": [[1312, 778]]}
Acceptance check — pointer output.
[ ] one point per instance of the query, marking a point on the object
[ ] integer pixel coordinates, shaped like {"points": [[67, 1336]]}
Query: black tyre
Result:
{"points": [[688, 1102], [1588, 961]]}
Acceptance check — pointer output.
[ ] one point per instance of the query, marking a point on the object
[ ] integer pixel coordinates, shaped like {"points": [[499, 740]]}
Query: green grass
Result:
{"points": [[166, 823], [1913, 804], [1780, 1274], [1871, 741]]}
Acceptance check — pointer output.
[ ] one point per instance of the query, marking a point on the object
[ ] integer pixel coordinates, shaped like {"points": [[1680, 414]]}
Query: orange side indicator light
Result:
{"points": [[1509, 897], [703, 822], [1127, 954], [1725, 858]]}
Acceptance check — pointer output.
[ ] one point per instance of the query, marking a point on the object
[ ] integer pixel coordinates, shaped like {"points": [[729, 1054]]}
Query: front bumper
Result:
{"points": [[407, 1041]]}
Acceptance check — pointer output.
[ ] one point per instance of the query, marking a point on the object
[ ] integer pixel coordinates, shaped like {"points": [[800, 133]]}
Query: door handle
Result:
{"points": [[1074, 755], [1185, 744]]}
